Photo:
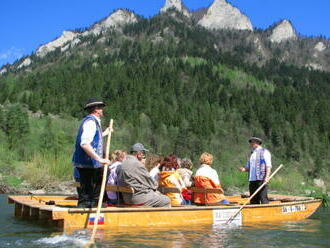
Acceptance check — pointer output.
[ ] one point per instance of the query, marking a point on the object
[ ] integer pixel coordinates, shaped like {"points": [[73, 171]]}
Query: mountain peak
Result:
{"points": [[222, 15], [176, 4], [3, 70], [51, 46], [320, 47], [282, 32], [25, 63], [116, 19]]}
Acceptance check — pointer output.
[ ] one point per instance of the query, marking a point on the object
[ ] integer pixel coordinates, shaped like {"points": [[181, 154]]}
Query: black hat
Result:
{"points": [[255, 139], [94, 102]]}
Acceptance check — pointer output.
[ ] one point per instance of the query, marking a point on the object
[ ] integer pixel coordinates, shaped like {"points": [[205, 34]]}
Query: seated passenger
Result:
{"points": [[152, 164], [117, 157], [186, 172], [169, 177], [133, 173], [206, 177]]}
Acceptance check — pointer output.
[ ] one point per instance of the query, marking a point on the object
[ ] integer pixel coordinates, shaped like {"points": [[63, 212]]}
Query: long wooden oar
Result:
{"points": [[256, 192], [105, 171]]}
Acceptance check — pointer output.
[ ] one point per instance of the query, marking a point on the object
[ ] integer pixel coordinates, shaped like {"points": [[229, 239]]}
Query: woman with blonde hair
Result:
{"points": [[207, 177], [117, 157]]}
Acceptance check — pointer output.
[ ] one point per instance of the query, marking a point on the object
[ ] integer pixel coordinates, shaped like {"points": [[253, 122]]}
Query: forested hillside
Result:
{"points": [[169, 86]]}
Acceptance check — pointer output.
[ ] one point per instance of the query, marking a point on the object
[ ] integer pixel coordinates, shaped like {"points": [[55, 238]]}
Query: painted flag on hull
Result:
{"points": [[91, 219]]}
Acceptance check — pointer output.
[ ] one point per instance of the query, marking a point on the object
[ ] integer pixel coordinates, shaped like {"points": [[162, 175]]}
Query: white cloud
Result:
{"points": [[10, 55]]}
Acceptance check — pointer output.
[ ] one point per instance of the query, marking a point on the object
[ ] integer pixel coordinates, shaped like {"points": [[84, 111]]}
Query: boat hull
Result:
{"points": [[68, 217]]}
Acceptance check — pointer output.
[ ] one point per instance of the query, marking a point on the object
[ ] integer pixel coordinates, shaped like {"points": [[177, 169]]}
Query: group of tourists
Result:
{"points": [[151, 176]]}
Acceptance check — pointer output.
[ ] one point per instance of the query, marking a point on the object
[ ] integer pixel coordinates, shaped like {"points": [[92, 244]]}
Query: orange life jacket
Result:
{"points": [[201, 198], [171, 179]]}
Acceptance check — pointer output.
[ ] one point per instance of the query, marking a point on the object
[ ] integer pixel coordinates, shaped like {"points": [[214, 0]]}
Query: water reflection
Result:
{"points": [[176, 237], [307, 225], [291, 234], [306, 233]]}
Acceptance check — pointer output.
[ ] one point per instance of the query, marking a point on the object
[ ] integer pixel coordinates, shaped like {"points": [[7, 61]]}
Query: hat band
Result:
{"points": [[93, 104]]}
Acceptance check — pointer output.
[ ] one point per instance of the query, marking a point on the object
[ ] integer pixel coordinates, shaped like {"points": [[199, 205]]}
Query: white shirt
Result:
{"points": [[154, 173], [89, 130], [206, 171], [253, 158]]}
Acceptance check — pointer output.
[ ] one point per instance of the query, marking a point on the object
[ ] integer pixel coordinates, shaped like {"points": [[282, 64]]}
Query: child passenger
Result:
{"points": [[186, 172], [169, 177], [117, 157], [207, 177], [152, 164]]}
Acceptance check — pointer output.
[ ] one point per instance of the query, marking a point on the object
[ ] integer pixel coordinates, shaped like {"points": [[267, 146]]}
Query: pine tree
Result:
{"points": [[16, 126]]}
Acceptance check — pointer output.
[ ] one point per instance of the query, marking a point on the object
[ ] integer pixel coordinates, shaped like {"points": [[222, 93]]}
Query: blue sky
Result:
{"points": [[27, 24]]}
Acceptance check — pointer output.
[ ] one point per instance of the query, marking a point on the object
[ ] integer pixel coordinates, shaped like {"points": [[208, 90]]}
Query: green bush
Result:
{"points": [[234, 178], [13, 181]]}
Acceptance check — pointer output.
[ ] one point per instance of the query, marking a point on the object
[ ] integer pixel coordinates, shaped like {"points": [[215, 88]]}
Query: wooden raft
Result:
{"points": [[66, 216]]}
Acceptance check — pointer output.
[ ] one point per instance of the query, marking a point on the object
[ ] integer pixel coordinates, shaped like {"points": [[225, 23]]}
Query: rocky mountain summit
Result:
{"points": [[70, 39], [115, 20], [25, 63], [282, 32], [175, 4], [233, 31], [3, 70], [222, 15], [59, 42], [320, 47]]}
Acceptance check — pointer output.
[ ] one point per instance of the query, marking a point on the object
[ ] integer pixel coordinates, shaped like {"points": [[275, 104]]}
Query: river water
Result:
{"points": [[313, 232]]}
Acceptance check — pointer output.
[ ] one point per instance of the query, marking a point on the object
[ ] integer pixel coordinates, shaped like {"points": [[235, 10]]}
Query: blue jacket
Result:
{"points": [[80, 157]]}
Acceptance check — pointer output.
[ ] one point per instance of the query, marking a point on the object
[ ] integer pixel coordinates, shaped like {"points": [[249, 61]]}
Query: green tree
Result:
{"points": [[16, 126]]}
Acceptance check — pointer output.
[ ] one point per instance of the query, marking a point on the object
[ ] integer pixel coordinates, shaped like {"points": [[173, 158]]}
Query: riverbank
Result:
{"points": [[67, 188], [61, 188]]}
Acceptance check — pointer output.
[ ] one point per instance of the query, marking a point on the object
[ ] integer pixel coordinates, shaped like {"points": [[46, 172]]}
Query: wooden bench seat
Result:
{"points": [[192, 189], [111, 187], [163, 190], [117, 188], [206, 190]]}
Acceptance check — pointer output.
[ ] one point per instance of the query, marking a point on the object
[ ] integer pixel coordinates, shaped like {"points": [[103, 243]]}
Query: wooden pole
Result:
{"points": [[256, 192], [105, 171]]}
